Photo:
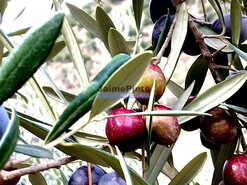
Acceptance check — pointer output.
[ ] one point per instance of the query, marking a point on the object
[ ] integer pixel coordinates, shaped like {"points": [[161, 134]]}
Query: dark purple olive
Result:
{"points": [[80, 175], [217, 27], [157, 8]]}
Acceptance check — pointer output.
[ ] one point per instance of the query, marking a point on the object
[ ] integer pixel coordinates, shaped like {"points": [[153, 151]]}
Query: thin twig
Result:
{"points": [[8, 175], [205, 51]]}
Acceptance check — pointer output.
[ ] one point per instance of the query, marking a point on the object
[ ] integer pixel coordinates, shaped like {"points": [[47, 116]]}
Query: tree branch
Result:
{"points": [[6, 176]]}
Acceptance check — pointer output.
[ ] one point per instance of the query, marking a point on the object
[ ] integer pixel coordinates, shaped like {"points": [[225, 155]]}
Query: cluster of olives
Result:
{"points": [[159, 15], [223, 126], [158, 12], [129, 132], [99, 177]]}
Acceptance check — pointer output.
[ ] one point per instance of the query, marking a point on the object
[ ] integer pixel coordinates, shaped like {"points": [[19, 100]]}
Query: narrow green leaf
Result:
{"points": [[215, 43], [84, 19], [124, 167], [35, 85], [216, 5], [58, 46], [184, 97], [34, 151], [236, 20], [149, 121], [178, 37], [188, 173], [238, 51], [124, 79], [18, 32], [117, 43], [197, 73], [73, 47], [37, 179], [138, 8], [157, 162], [161, 153], [24, 59], [3, 5], [225, 152], [104, 23], [83, 102], [100, 157], [162, 113], [175, 88], [215, 95], [52, 94], [9, 139]]}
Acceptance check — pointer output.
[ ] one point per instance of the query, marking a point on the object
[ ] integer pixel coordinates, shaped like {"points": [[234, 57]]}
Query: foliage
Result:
{"points": [[65, 135]]}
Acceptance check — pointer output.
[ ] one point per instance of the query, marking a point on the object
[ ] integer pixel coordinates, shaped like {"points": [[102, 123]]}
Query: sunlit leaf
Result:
{"points": [[157, 161], [104, 23], [84, 19], [34, 151], [52, 94], [184, 97], [18, 32], [215, 43], [127, 176], [73, 47], [236, 20], [37, 179], [137, 8], [125, 77], [178, 37], [238, 51], [226, 151], [148, 121], [188, 173], [117, 43], [175, 88], [215, 95]]}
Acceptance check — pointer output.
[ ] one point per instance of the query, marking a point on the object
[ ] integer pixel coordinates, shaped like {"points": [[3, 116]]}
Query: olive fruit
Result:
{"points": [[143, 89], [220, 128], [165, 129], [111, 178], [127, 132], [217, 27], [194, 123], [157, 8], [80, 175], [4, 120], [190, 46], [235, 170]]}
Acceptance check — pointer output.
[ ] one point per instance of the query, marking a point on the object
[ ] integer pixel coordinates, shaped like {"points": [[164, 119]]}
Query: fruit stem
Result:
{"points": [[90, 181], [204, 10]]}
